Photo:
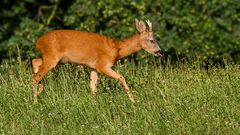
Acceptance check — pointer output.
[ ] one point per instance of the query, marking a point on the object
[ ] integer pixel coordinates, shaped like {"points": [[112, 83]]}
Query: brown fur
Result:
{"points": [[93, 50]]}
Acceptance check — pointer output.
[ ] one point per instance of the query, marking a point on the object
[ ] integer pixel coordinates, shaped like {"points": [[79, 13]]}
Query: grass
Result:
{"points": [[180, 100]]}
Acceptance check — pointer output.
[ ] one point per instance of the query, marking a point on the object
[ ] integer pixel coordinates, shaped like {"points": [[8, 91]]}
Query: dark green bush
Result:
{"points": [[203, 29]]}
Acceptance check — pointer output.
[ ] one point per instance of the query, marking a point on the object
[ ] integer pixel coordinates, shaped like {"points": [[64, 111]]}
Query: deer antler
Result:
{"points": [[149, 25]]}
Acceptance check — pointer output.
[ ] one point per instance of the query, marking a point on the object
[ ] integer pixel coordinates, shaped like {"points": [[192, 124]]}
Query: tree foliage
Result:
{"points": [[204, 29]]}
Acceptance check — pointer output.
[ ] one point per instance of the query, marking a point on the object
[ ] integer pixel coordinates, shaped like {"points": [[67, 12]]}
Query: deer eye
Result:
{"points": [[152, 41]]}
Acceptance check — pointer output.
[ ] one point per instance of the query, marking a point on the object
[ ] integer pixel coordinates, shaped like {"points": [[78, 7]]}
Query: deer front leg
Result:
{"points": [[93, 82], [111, 73]]}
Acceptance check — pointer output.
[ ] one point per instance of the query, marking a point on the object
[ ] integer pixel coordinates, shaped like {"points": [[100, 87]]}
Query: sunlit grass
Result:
{"points": [[179, 100]]}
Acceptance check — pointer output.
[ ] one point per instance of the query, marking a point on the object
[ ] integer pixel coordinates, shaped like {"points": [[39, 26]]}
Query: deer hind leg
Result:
{"points": [[48, 63], [36, 64], [93, 82], [111, 73]]}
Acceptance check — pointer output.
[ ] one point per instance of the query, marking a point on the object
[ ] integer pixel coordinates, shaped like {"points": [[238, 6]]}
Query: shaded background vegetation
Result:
{"points": [[203, 29]]}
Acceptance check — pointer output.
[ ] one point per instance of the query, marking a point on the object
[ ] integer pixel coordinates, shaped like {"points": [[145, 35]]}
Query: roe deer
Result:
{"points": [[93, 50]]}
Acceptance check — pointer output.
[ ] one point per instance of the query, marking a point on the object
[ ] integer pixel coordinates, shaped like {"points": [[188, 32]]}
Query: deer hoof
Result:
{"points": [[132, 98]]}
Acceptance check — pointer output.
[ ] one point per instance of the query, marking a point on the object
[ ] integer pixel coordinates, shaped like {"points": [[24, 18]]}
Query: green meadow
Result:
{"points": [[180, 99]]}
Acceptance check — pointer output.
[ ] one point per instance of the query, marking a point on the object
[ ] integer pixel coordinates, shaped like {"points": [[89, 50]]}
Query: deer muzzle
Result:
{"points": [[158, 53]]}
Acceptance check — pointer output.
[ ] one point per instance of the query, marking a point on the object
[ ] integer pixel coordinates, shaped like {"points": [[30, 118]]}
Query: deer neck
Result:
{"points": [[128, 46]]}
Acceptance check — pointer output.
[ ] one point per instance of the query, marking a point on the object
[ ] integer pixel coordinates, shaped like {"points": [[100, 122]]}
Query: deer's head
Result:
{"points": [[147, 40]]}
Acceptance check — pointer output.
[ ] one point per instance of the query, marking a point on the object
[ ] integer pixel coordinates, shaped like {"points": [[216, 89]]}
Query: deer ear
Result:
{"points": [[140, 25]]}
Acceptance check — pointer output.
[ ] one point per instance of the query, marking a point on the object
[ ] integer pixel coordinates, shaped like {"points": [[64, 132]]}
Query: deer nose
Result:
{"points": [[158, 53]]}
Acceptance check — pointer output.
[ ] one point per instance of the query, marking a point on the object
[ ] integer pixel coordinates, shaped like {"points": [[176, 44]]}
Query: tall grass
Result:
{"points": [[172, 100]]}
